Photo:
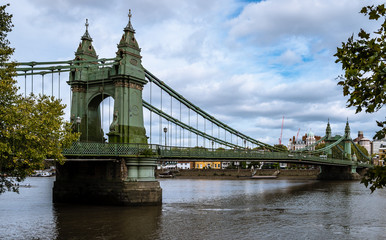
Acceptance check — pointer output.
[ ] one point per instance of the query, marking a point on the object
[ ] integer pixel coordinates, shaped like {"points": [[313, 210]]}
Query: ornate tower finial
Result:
{"points": [[86, 35], [86, 24], [328, 130], [347, 130], [129, 27], [85, 50]]}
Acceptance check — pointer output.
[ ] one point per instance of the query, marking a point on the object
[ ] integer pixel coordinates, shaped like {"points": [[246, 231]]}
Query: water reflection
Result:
{"points": [[102, 222], [205, 209], [274, 209]]}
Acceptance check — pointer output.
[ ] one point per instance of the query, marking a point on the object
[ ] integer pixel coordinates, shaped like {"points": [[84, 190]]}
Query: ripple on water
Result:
{"points": [[205, 209]]}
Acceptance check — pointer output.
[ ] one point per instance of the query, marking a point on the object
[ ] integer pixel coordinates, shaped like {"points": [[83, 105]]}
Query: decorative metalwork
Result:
{"points": [[80, 149]]}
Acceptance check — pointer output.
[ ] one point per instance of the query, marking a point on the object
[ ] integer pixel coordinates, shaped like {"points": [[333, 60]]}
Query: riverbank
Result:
{"points": [[228, 174]]}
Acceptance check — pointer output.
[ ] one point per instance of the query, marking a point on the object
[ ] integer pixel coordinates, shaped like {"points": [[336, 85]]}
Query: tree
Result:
{"points": [[281, 147], [363, 62], [319, 146], [362, 148], [32, 128]]}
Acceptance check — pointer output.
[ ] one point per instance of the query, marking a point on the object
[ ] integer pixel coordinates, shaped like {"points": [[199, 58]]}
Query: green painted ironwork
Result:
{"points": [[187, 127], [123, 78], [110, 150], [90, 150], [362, 154], [107, 64], [330, 146], [203, 114], [53, 67]]}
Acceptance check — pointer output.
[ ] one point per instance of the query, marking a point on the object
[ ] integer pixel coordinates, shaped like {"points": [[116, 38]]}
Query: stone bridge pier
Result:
{"points": [[123, 179], [339, 173], [116, 182]]}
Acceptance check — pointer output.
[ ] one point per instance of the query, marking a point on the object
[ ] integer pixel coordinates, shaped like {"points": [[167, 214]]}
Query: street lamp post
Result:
{"points": [[165, 131], [78, 120]]}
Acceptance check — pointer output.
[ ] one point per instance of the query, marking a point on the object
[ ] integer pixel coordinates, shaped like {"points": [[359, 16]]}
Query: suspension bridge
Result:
{"points": [[126, 128]]}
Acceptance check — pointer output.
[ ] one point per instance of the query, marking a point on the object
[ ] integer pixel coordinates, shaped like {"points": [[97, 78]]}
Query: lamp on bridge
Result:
{"points": [[165, 131], [78, 120]]}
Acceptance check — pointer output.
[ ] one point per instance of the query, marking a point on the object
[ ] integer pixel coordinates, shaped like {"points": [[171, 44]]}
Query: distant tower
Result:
{"points": [[328, 137], [347, 141], [328, 130]]}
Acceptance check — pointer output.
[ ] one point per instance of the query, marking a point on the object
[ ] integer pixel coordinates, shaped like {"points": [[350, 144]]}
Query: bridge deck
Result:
{"points": [[81, 151]]}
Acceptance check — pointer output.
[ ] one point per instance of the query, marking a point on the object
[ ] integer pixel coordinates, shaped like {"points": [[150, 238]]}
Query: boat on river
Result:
{"points": [[273, 176], [168, 174], [264, 177]]}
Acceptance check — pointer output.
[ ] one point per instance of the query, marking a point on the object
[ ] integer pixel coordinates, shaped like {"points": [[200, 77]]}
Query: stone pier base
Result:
{"points": [[105, 183], [338, 173], [112, 193]]}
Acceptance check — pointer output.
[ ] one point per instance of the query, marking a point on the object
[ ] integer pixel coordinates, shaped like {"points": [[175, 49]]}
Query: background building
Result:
{"points": [[308, 139], [376, 145], [363, 141]]}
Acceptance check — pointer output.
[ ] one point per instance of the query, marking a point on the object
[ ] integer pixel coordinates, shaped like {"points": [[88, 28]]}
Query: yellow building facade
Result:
{"points": [[207, 165]]}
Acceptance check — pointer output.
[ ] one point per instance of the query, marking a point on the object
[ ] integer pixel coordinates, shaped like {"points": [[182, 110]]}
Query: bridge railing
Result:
{"points": [[111, 149], [197, 153]]}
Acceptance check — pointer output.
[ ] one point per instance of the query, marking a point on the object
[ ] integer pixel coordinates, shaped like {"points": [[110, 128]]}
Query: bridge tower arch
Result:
{"points": [[113, 179], [91, 83]]}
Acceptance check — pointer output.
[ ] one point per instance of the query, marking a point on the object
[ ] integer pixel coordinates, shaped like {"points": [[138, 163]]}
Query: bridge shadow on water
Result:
{"points": [[105, 222]]}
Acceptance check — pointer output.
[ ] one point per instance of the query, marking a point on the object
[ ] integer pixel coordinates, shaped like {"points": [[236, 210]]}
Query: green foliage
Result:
{"points": [[276, 166], [359, 155], [281, 147], [147, 152], [320, 145], [381, 133], [363, 61], [31, 128], [200, 148], [375, 178]]}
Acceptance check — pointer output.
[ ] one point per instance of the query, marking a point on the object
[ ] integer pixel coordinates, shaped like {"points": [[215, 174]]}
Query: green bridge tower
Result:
{"points": [[123, 180], [339, 172]]}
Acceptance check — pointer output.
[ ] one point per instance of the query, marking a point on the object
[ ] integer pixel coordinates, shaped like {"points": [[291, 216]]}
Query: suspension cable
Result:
{"points": [[59, 84], [43, 84], [151, 113], [32, 78], [52, 83], [25, 84]]}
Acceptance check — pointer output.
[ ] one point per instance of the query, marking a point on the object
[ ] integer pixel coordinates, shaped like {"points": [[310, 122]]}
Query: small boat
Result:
{"points": [[46, 174], [273, 176], [264, 177], [42, 173], [167, 174]]}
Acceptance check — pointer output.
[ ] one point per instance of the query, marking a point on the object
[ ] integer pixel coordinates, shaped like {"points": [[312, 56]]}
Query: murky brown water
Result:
{"points": [[205, 209]]}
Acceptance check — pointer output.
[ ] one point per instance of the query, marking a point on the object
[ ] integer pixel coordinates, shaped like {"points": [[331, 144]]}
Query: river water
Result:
{"points": [[205, 209]]}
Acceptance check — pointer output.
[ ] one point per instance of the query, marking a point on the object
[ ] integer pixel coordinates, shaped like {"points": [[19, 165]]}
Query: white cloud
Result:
{"points": [[246, 63]]}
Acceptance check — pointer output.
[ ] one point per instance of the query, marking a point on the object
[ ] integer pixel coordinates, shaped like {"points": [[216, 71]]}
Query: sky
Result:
{"points": [[247, 63]]}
